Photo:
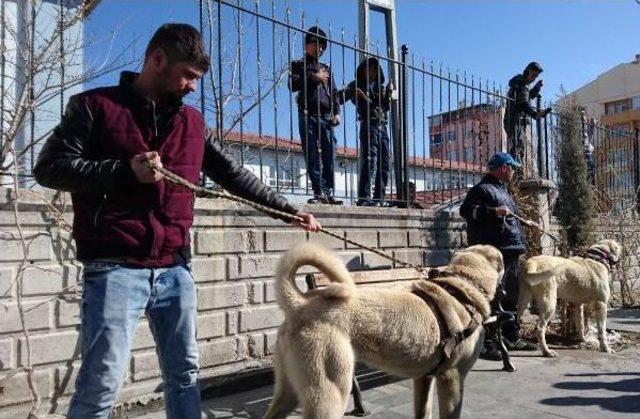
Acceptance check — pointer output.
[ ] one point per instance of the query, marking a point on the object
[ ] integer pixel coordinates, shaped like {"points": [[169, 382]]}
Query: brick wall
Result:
{"points": [[235, 252]]}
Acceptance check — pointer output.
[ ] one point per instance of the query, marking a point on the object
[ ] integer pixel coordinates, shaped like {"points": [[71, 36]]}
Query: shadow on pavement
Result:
{"points": [[250, 398], [622, 404]]}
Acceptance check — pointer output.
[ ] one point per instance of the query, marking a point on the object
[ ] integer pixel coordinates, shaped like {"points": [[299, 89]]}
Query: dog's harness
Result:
{"points": [[599, 256], [449, 340]]}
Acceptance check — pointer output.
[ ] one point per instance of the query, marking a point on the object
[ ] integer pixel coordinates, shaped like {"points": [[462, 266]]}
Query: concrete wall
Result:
{"points": [[235, 251]]}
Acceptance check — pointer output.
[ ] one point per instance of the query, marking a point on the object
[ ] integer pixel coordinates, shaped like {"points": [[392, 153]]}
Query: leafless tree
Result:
{"points": [[41, 53], [42, 59]]}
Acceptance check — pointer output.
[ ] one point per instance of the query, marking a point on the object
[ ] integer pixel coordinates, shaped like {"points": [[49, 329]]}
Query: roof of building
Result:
{"points": [[284, 144], [466, 111]]}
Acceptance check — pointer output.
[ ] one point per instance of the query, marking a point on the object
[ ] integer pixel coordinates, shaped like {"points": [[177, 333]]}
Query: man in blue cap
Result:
{"points": [[488, 208]]}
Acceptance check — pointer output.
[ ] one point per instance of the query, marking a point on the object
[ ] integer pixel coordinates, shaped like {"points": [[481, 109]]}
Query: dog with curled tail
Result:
{"points": [[430, 331]]}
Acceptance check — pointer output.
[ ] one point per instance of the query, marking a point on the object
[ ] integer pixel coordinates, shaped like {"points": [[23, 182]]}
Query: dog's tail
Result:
{"points": [[537, 270], [289, 297]]}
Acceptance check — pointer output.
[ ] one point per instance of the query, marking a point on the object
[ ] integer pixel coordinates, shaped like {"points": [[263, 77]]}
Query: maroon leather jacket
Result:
{"points": [[115, 216]]}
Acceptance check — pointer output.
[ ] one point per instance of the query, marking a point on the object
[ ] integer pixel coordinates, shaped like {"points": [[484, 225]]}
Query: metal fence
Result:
{"points": [[443, 124], [446, 123]]}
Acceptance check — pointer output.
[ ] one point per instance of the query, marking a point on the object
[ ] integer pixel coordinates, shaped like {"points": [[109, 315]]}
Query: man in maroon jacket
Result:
{"points": [[131, 227]]}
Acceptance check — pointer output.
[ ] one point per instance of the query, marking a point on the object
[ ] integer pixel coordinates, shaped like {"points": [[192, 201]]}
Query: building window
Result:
{"points": [[451, 136], [635, 102], [437, 139], [617, 107], [287, 176]]}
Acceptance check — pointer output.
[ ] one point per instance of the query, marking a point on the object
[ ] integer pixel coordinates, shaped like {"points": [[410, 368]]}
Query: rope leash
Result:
{"points": [[172, 177], [536, 225]]}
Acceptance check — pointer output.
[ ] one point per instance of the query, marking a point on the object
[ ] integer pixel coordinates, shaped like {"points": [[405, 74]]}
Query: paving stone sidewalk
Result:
{"points": [[578, 384]]}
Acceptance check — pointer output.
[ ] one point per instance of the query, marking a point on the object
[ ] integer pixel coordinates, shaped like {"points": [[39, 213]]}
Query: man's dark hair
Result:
{"points": [[533, 66], [316, 35], [181, 43]]}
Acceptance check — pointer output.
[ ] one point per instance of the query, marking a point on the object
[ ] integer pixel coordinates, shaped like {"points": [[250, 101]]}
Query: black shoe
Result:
{"points": [[490, 352], [332, 201], [318, 199], [366, 203], [519, 345]]}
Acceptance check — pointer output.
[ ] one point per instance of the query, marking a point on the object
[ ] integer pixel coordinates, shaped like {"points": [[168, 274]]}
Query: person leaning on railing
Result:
{"points": [[131, 226], [519, 110], [372, 100], [318, 113]]}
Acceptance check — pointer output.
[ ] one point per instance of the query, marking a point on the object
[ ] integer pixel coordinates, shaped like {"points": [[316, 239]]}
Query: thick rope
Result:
{"points": [[535, 225], [172, 177]]}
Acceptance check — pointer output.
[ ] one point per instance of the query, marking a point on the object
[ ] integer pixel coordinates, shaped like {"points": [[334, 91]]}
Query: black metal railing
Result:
{"points": [[443, 125], [448, 124]]}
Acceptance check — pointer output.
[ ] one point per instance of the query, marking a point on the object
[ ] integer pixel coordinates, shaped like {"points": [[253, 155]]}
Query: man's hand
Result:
{"points": [[541, 113], [539, 84], [321, 76], [502, 211], [361, 95], [144, 173], [308, 223], [336, 120]]}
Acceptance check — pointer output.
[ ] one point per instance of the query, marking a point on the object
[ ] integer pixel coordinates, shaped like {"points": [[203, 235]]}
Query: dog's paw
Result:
{"points": [[550, 354]]}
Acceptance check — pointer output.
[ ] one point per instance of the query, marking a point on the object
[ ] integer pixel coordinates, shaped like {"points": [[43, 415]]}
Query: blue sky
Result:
{"points": [[574, 40]]}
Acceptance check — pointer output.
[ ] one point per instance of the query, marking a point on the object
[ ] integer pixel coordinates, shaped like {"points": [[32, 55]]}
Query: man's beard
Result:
{"points": [[173, 97], [168, 96]]}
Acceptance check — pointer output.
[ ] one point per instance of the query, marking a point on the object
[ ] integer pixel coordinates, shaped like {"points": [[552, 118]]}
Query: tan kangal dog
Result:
{"points": [[578, 280], [407, 331]]}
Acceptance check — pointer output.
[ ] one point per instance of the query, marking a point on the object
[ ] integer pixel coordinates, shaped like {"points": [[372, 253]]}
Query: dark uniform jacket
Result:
{"points": [[483, 226], [314, 97], [519, 110], [376, 106]]}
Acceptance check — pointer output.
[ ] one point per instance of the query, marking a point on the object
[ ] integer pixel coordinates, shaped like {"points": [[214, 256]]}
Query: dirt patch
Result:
{"points": [[618, 340]]}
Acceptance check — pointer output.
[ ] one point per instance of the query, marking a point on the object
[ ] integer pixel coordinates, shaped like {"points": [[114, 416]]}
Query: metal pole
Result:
{"points": [[404, 128], [546, 147], [541, 171]]}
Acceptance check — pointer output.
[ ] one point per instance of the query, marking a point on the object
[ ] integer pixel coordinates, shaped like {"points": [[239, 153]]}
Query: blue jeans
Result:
{"points": [[114, 297], [319, 147], [374, 156]]}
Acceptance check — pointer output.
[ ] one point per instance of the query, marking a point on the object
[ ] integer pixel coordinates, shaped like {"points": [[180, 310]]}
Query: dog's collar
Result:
{"points": [[599, 256], [433, 273]]}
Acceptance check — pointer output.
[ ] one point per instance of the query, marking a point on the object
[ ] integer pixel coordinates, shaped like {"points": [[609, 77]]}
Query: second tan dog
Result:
{"points": [[579, 280], [395, 330]]}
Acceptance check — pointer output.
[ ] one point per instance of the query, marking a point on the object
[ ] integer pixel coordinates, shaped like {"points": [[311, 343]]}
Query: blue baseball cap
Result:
{"points": [[502, 158]]}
